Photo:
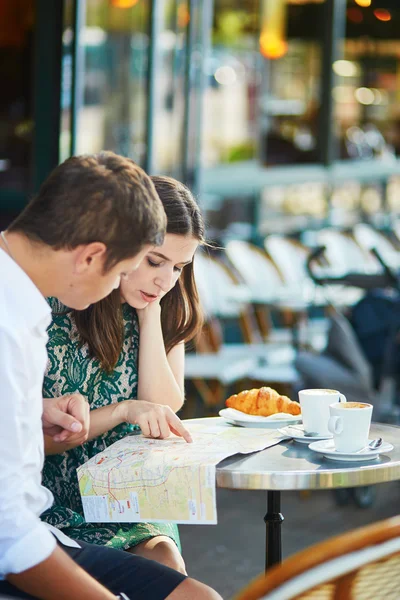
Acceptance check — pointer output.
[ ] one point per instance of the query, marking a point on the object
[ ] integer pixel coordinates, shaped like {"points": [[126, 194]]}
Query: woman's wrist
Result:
{"points": [[120, 413], [149, 314]]}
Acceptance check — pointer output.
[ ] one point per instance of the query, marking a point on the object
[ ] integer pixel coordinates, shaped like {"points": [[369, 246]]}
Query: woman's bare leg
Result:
{"points": [[163, 550]]}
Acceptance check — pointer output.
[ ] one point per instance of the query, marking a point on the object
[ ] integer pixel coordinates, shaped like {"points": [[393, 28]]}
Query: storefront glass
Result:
{"points": [[17, 24], [366, 92], [170, 87], [111, 97], [264, 82]]}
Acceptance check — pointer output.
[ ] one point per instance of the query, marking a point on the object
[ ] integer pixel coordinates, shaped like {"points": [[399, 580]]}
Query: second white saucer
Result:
{"points": [[298, 435], [327, 448]]}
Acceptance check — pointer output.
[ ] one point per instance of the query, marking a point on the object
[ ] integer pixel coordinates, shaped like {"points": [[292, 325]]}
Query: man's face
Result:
{"points": [[91, 284]]}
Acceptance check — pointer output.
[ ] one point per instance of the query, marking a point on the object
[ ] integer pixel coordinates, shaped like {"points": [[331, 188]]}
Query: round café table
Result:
{"points": [[293, 466]]}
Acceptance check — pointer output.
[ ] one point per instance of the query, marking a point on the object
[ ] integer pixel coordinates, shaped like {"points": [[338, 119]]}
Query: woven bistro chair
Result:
{"points": [[363, 564]]}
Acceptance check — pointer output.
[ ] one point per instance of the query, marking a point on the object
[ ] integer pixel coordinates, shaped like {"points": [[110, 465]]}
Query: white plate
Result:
{"points": [[327, 448], [236, 417], [298, 435]]}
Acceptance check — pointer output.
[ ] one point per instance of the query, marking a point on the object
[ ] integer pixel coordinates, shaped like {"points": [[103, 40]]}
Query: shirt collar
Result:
{"points": [[27, 299]]}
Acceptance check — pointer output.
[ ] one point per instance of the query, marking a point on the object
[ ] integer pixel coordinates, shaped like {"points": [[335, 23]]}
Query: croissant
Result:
{"points": [[263, 402]]}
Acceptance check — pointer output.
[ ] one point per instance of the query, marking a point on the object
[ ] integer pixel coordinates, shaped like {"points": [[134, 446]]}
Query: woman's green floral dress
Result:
{"points": [[71, 369]]}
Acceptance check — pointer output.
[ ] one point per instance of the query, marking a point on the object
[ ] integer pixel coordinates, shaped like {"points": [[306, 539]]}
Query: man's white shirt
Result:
{"points": [[24, 317]]}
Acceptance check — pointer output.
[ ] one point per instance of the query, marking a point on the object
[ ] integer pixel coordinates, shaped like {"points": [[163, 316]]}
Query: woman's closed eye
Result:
{"points": [[160, 264], [154, 264]]}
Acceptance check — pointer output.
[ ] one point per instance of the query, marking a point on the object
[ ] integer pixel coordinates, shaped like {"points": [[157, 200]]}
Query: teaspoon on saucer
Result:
{"points": [[306, 433], [372, 445]]}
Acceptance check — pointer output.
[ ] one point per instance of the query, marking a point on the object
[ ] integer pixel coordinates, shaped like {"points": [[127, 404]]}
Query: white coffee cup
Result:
{"points": [[315, 405], [350, 424]]}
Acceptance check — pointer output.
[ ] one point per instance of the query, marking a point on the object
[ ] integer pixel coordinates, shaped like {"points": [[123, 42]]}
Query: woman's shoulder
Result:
{"points": [[61, 319]]}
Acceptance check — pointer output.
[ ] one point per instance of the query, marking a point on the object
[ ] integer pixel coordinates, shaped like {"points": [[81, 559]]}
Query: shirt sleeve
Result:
{"points": [[24, 539]]}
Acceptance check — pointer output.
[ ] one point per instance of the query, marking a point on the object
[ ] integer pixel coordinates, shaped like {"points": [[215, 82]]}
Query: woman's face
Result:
{"points": [[159, 271]]}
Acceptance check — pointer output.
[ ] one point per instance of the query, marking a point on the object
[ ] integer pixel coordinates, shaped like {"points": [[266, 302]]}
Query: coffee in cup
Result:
{"points": [[350, 423], [356, 405], [315, 409]]}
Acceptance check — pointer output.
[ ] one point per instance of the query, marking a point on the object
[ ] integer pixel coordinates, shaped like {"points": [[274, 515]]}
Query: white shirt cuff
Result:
{"points": [[29, 551]]}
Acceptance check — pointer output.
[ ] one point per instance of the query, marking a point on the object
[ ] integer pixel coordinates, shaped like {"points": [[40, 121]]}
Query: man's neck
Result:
{"points": [[35, 259]]}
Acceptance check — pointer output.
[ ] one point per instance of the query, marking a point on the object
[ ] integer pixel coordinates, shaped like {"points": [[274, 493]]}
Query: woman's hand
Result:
{"points": [[155, 420], [150, 312]]}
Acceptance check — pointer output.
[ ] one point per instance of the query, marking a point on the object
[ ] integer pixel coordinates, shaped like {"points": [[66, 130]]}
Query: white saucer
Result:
{"points": [[298, 435], [236, 417], [327, 448]]}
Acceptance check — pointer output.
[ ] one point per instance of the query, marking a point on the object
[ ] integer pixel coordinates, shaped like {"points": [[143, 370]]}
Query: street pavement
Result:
{"points": [[228, 555]]}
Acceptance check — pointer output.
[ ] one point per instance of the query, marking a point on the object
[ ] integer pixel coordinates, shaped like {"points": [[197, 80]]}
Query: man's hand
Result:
{"points": [[66, 419], [155, 420]]}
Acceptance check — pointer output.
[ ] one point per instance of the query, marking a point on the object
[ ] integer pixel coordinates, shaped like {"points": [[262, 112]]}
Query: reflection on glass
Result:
{"points": [[66, 81], [17, 18], [169, 94], [393, 194], [366, 90], [289, 206], [262, 98], [115, 42]]}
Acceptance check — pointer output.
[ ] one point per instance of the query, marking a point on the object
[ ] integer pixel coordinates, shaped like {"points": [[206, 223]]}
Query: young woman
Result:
{"points": [[128, 346]]}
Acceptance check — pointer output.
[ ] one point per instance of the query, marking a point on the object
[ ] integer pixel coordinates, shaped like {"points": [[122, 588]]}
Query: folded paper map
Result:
{"points": [[138, 479]]}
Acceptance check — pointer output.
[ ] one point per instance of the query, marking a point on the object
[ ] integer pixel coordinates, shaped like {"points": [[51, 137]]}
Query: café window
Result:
{"points": [[111, 99], [17, 28], [262, 101], [366, 91]]}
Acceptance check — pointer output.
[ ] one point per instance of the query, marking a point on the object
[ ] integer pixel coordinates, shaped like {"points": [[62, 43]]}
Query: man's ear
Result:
{"points": [[89, 256]]}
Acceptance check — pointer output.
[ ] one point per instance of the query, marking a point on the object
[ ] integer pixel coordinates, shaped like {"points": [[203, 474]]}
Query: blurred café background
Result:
{"points": [[283, 116]]}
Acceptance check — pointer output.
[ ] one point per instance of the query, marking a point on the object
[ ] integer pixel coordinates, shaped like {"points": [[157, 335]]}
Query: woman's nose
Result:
{"points": [[164, 281]]}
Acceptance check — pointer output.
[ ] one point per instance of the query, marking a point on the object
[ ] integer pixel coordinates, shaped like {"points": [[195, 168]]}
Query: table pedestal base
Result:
{"points": [[273, 521]]}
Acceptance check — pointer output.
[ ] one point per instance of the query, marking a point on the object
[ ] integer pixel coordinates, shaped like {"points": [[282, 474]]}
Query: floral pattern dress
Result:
{"points": [[71, 369]]}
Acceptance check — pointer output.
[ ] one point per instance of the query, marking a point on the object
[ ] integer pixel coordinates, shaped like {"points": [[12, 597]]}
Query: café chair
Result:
{"points": [[210, 369], [368, 238], [363, 564], [217, 365], [344, 254], [266, 287]]}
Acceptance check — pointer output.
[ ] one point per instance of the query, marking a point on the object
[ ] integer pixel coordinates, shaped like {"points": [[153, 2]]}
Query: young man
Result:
{"points": [[93, 220]]}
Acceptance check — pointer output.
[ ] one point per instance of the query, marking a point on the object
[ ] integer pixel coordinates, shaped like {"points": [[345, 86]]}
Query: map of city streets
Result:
{"points": [[138, 479]]}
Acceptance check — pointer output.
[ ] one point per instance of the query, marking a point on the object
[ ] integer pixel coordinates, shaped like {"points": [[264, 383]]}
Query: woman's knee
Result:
{"points": [[163, 550], [193, 590]]}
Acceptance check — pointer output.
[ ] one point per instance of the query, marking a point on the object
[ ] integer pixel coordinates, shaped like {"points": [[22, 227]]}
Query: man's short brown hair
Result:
{"points": [[95, 198]]}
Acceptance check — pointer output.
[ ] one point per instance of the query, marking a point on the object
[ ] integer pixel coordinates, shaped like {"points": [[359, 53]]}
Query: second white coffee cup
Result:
{"points": [[315, 409], [350, 425]]}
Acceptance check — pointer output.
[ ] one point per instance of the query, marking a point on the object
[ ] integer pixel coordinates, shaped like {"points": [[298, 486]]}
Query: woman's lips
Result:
{"points": [[148, 297]]}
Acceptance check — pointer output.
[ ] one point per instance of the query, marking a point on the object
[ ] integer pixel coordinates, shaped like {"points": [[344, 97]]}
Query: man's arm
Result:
{"points": [[29, 557], [59, 577]]}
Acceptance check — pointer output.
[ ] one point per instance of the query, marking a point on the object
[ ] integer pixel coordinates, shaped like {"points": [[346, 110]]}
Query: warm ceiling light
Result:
{"points": [[124, 3], [273, 42], [272, 46], [363, 3], [382, 14]]}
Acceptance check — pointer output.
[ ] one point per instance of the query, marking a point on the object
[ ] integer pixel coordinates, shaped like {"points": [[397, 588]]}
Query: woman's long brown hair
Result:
{"points": [[101, 325]]}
